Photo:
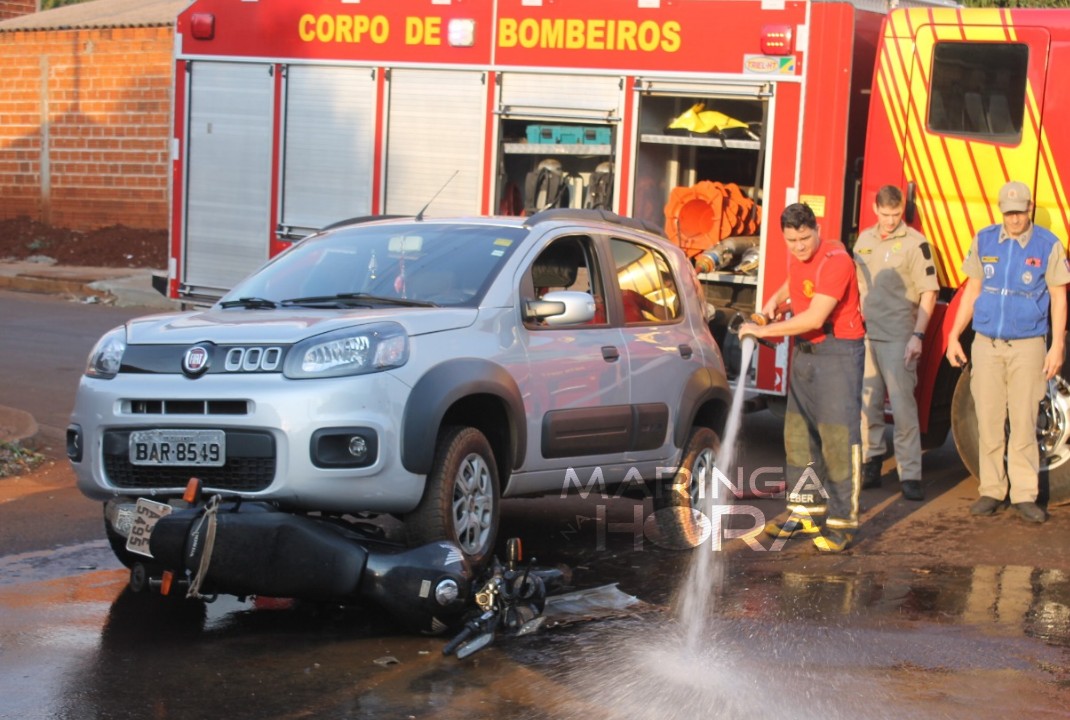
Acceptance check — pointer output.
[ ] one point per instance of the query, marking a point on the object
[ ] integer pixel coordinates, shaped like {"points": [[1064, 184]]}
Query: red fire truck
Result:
{"points": [[292, 116]]}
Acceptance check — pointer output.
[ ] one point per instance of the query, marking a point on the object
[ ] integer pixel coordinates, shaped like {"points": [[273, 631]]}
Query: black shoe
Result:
{"points": [[912, 490], [985, 506], [871, 473], [791, 527], [1031, 512], [834, 540]]}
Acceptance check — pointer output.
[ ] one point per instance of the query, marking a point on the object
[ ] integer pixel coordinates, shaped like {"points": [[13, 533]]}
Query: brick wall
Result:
{"points": [[16, 8], [85, 126]]}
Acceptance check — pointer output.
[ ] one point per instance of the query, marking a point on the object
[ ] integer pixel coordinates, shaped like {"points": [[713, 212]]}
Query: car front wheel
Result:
{"points": [[461, 498], [679, 502]]}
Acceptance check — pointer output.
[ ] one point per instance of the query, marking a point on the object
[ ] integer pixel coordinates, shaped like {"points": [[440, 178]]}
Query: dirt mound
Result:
{"points": [[114, 246]]}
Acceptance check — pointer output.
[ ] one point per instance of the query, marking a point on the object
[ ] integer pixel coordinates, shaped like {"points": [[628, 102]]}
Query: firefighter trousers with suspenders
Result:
{"points": [[823, 432]]}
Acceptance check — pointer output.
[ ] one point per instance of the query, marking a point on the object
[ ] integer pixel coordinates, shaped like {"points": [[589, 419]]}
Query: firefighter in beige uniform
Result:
{"points": [[1016, 280], [898, 284]]}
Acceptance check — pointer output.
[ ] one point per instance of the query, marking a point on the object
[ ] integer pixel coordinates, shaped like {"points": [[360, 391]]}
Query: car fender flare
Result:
{"points": [[700, 389], [442, 386]]}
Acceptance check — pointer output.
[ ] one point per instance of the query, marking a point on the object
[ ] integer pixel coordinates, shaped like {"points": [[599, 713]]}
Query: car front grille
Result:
{"points": [[250, 465], [185, 407]]}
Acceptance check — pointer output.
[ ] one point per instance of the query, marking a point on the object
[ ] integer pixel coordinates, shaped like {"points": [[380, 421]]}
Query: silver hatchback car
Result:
{"points": [[425, 368]]}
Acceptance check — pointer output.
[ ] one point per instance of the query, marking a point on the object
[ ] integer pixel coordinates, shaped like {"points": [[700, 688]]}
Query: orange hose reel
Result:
{"points": [[701, 215]]}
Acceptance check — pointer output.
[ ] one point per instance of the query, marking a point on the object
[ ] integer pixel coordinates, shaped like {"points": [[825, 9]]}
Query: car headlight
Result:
{"points": [[107, 355], [352, 351]]}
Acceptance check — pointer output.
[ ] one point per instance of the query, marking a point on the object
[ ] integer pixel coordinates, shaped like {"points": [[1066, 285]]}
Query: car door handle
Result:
{"points": [[685, 351], [610, 353]]}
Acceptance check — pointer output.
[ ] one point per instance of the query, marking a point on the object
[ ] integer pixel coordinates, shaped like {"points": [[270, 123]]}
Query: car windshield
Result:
{"points": [[411, 264]]}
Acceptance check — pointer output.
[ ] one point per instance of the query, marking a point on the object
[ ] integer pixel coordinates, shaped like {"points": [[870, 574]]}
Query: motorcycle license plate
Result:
{"points": [[198, 448], [146, 513]]}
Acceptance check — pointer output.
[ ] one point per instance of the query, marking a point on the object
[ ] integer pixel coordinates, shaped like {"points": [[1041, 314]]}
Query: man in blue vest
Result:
{"points": [[1016, 280]]}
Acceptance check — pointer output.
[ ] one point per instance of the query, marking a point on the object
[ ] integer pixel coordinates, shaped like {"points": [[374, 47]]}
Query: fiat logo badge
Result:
{"points": [[196, 361]]}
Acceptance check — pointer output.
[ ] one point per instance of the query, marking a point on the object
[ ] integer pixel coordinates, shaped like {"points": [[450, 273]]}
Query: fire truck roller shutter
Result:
{"points": [[228, 156], [329, 142], [584, 98], [435, 127]]}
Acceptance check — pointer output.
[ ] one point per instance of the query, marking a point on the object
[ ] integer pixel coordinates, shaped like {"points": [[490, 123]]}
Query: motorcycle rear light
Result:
{"points": [[165, 582]]}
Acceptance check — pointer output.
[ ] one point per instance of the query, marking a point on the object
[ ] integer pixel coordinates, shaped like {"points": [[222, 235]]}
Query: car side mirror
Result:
{"points": [[563, 307]]}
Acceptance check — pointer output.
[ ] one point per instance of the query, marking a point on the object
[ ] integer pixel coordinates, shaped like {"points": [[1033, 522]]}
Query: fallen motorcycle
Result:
{"points": [[230, 546]]}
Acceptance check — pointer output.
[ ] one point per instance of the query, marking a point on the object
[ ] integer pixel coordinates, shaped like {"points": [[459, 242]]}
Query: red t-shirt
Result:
{"points": [[831, 271]]}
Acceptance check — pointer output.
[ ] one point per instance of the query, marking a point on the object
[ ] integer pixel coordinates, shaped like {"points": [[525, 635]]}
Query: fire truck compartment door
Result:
{"points": [[969, 114], [329, 145], [228, 191], [436, 126], [583, 98]]}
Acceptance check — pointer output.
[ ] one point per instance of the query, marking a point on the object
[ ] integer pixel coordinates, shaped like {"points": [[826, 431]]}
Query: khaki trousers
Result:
{"points": [[1007, 382], [886, 372]]}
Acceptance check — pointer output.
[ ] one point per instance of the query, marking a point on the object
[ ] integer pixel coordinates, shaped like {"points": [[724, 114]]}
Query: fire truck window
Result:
{"points": [[978, 89], [648, 290]]}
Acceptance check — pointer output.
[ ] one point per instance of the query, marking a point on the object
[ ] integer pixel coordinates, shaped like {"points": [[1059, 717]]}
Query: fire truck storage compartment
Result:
{"points": [[329, 143], [683, 156], [228, 173], [562, 121], [435, 128], [720, 137]]}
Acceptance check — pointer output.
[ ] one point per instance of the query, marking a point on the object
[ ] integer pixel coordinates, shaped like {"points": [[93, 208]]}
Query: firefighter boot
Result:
{"points": [[795, 525], [834, 540], [871, 473]]}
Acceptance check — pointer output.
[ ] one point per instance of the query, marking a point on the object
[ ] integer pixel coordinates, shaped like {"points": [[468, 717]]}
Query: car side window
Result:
{"points": [[648, 289], [570, 263]]}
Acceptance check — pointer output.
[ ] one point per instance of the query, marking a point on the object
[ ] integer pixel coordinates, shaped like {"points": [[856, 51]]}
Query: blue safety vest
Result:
{"points": [[1014, 298]]}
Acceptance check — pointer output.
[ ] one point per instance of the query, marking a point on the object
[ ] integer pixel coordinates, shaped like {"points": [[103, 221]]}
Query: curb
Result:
{"points": [[17, 426], [121, 287]]}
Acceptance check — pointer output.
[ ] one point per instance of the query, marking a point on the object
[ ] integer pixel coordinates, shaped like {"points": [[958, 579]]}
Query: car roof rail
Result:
{"points": [[593, 214], [358, 220]]}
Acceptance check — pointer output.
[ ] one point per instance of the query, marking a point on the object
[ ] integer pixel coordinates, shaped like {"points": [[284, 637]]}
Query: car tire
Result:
{"points": [[461, 500], [680, 522]]}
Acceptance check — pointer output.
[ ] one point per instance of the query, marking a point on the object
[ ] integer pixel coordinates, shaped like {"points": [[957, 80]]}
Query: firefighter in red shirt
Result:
{"points": [[822, 430]]}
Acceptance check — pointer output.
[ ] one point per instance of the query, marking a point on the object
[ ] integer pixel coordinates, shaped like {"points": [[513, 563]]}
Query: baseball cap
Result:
{"points": [[1014, 197]]}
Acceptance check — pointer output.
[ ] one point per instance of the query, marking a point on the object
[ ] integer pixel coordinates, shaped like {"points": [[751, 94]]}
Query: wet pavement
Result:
{"points": [[887, 630]]}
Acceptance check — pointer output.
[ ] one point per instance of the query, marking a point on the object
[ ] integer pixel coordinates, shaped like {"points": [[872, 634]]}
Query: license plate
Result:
{"points": [[203, 448], [146, 514]]}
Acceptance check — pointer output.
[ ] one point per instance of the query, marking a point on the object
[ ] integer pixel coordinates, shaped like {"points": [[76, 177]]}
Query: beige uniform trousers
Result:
{"points": [[886, 372], [1007, 381]]}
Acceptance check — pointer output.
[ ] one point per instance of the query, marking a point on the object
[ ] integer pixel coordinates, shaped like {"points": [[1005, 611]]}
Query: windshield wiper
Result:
{"points": [[252, 303], [354, 300]]}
